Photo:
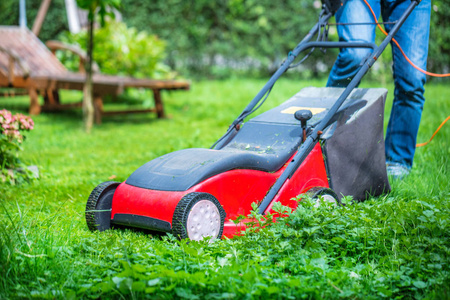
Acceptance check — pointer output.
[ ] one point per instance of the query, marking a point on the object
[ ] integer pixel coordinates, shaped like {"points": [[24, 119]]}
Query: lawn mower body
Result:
{"points": [[326, 142], [242, 171]]}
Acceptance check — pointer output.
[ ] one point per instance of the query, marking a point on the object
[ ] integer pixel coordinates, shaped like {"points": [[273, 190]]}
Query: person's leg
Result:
{"points": [[409, 83], [349, 59]]}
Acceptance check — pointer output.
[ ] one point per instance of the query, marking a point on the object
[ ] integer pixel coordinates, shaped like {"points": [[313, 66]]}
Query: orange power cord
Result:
{"points": [[400, 48], [416, 67], [439, 128]]}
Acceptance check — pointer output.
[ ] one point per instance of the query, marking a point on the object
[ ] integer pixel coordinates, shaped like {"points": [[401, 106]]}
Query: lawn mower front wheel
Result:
{"points": [[198, 215], [98, 206]]}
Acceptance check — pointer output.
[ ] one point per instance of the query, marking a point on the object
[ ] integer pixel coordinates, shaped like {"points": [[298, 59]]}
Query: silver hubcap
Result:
{"points": [[325, 198], [203, 221]]}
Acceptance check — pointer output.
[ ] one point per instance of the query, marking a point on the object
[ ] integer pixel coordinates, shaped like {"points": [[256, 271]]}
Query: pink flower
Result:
{"points": [[25, 122], [12, 125], [6, 115], [14, 135]]}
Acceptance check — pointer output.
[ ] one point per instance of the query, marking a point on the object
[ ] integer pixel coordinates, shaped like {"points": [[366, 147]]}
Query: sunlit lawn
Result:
{"points": [[46, 250]]}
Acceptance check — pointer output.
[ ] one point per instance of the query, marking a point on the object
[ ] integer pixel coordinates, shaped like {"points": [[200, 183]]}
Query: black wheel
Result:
{"points": [[99, 204], [198, 215], [319, 194]]}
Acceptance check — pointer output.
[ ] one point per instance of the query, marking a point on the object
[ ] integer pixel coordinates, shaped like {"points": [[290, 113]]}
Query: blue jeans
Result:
{"points": [[413, 37]]}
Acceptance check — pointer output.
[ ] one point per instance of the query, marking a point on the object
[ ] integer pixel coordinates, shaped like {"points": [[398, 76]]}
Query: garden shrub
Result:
{"points": [[121, 50], [246, 36], [221, 38], [11, 138], [205, 37]]}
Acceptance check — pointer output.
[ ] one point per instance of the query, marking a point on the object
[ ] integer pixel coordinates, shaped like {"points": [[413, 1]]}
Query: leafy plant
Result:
{"points": [[122, 50], [11, 138], [255, 221]]}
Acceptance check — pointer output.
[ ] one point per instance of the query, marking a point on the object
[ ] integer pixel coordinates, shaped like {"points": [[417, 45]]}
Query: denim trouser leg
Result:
{"points": [[401, 134], [349, 59], [408, 96]]}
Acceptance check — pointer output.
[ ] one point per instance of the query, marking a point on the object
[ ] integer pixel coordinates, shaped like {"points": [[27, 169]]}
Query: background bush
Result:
{"points": [[219, 38], [55, 22], [122, 50], [211, 37]]}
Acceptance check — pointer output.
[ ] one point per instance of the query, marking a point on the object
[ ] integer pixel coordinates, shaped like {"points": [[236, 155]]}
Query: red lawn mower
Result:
{"points": [[326, 142]]}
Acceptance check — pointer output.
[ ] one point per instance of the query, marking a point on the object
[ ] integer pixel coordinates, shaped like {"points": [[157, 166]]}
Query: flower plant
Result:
{"points": [[11, 139]]}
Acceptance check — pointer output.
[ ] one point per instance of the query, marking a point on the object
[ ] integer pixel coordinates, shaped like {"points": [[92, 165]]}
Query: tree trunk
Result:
{"points": [[88, 107]]}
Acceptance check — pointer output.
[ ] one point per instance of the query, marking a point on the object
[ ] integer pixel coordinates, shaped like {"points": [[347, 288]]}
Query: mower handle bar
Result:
{"points": [[313, 138], [285, 65], [291, 57], [305, 44]]}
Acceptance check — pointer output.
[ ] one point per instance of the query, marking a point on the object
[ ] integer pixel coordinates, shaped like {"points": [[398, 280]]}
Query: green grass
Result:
{"points": [[396, 246]]}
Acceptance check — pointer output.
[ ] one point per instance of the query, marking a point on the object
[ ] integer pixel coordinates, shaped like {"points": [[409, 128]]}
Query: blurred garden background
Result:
{"points": [[394, 246], [218, 39]]}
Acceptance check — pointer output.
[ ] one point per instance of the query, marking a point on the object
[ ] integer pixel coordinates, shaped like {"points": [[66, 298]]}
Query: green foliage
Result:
{"points": [[216, 38], [439, 46], [55, 22], [221, 38], [121, 50], [394, 246], [102, 8]]}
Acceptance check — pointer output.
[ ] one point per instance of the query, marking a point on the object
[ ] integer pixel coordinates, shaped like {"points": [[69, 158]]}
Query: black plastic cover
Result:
{"points": [[139, 221], [354, 144], [257, 146]]}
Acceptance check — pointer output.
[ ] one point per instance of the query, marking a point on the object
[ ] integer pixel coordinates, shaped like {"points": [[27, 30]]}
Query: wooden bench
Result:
{"points": [[26, 63]]}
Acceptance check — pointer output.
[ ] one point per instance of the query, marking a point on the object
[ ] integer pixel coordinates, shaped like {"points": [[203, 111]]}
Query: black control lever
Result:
{"points": [[303, 116]]}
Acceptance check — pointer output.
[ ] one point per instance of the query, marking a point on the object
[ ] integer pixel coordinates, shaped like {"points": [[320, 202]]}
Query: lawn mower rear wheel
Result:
{"points": [[322, 194]]}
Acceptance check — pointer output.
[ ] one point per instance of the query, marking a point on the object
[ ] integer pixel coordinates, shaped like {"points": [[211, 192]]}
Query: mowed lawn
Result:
{"points": [[392, 246]]}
